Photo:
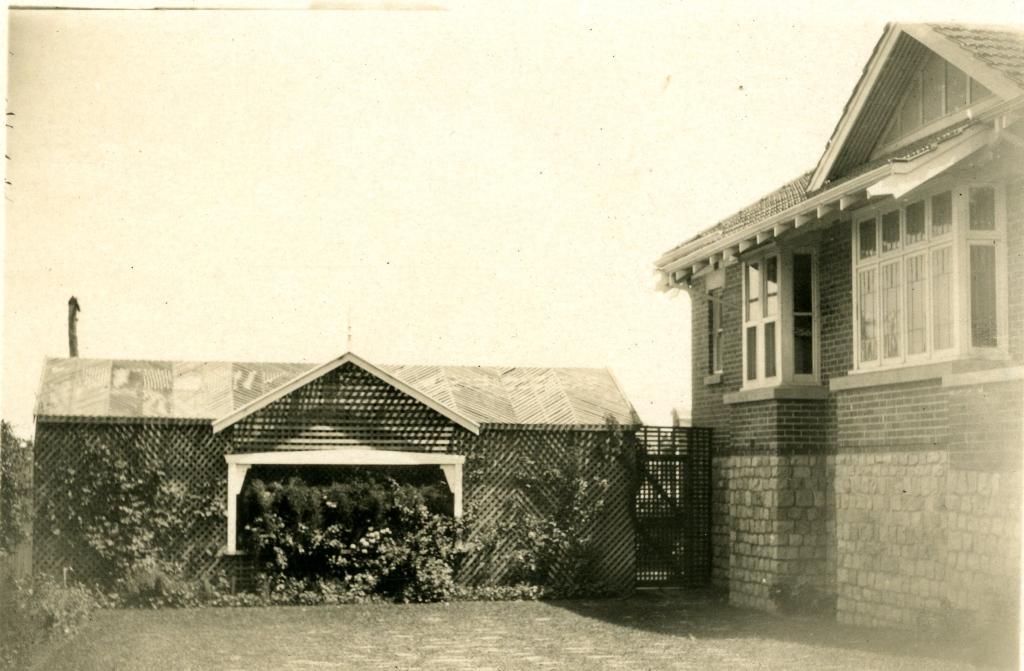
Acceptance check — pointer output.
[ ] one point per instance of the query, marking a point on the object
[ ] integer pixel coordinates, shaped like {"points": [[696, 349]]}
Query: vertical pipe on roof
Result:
{"points": [[73, 310]]}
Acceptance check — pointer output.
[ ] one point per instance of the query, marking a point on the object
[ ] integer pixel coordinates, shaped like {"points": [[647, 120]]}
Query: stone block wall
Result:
{"points": [[890, 536], [780, 534]]}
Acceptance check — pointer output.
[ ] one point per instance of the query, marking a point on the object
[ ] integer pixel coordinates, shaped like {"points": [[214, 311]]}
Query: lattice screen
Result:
{"points": [[499, 483], [673, 507], [496, 462], [347, 406], [191, 456]]}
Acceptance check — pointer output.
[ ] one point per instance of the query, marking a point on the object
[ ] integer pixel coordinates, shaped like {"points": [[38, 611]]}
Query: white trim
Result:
{"points": [[679, 258], [992, 79], [990, 376], [958, 241], [974, 67], [908, 176], [355, 456], [853, 108], [239, 465], [307, 377]]}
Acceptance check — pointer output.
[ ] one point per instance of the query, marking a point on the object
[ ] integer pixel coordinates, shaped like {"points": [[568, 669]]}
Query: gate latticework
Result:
{"points": [[673, 507]]}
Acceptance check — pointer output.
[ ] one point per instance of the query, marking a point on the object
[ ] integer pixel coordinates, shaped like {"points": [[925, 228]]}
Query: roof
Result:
{"points": [[208, 390], [1001, 47], [993, 55], [794, 192]]}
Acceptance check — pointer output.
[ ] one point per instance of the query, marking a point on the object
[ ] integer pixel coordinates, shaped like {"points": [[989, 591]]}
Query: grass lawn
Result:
{"points": [[647, 631]]}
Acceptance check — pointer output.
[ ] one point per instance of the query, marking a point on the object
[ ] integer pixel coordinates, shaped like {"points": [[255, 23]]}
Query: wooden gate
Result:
{"points": [[673, 507]]}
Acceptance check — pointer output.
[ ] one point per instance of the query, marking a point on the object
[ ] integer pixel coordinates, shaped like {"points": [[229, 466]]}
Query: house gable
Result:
{"points": [[339, 393], [919, 80]]}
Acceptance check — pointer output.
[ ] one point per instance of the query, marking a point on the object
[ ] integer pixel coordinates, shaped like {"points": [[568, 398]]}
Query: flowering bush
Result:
{"points": [[352, 540]]}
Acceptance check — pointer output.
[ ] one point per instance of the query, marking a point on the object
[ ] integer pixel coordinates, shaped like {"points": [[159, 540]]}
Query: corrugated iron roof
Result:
{"points": [[208, 390]]}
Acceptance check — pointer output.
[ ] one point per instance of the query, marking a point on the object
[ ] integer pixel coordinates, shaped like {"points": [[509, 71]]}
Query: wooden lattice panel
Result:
{"points": [[345, 407], [191, 456], [498, 464], [673, 506], [505, 476]]}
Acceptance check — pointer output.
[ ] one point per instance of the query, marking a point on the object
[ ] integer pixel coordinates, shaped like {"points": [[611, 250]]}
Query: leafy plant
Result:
{"points": [[15, 488], [119, 508], [552, 545], [35, 610], [342, 541]]}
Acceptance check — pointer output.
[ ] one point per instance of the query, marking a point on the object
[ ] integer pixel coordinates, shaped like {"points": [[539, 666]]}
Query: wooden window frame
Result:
{"points": [[715, 331], [958, 240], [783, 319]]}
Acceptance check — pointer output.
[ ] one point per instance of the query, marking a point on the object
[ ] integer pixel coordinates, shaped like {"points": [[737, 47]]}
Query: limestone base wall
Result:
{"points": [[922, 544]]}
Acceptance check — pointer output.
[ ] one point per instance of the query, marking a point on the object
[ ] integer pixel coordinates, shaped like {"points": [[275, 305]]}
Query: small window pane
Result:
{"points": [[934, 81], [942, 213], [978, 92], [956, 88], [891, 310], [769, 349], [715, 331], [983, 209], [891, 231], [751, 352], [983, 295], [942, 312], [771, 286], [910, 113], [915, 222], [868, 328], [753, 289], [802, 283], [916, 328], [803, 344], [868, 244]]}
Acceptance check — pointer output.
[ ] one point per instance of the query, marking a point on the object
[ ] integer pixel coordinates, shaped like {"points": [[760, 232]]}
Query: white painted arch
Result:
{"points": [[239, 465]]}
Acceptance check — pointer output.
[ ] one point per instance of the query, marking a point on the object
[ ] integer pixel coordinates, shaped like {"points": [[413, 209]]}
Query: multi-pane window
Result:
{"points": [[779, 321], [908, 291], [715, 331]]}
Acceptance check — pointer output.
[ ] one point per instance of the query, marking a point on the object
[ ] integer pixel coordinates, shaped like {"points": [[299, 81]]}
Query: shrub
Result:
{"points": [[36, 610], [126, 510], [553, 546], [346, 541], [15, 488]]}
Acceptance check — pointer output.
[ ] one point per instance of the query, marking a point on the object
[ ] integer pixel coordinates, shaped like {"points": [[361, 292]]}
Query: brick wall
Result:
{"points": [[904, 498]]}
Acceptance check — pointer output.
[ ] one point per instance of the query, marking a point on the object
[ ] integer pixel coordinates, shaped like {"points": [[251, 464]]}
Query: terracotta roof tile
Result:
{"points": [[1001, 47], [794, 192]]}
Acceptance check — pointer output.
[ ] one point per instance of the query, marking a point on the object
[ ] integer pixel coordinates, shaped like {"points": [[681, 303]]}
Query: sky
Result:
{"points": [[462, 186]]}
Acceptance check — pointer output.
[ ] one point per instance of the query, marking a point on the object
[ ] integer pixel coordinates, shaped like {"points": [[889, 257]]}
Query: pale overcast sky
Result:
{"points": [[473, 187]]}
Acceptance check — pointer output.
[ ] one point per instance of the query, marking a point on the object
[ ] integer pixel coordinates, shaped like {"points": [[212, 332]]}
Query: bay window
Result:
{"points": [[780, 324], [925, 278]]}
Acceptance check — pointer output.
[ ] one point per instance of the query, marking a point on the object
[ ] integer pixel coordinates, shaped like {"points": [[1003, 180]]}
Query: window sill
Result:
{"points": [[714, 378], [917, 373], [805, 392], [989, 376]]}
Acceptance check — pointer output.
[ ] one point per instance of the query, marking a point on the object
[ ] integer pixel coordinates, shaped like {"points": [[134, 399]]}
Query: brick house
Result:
{"points": [[858, 349]]}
